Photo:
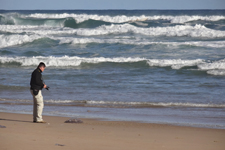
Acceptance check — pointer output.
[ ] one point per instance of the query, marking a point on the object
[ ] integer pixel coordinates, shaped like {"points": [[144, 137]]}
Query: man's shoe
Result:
{"points": [[41, 121]]}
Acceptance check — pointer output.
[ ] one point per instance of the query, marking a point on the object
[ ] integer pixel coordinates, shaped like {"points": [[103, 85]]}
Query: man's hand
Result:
{"points": [[45, 86]]}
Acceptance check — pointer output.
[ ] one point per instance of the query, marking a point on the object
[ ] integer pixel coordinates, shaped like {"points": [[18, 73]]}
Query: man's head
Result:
{"points": [[42, 66]]}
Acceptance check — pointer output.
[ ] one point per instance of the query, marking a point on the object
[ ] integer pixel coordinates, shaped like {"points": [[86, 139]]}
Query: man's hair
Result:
{"points": [[41, 65]]}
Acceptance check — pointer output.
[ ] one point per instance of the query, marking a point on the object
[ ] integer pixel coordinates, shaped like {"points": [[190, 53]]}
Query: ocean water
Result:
{"points": [[133, 65]]}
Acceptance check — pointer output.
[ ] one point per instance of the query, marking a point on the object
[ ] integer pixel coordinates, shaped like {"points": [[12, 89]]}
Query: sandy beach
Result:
{"points": [[22, 134]]}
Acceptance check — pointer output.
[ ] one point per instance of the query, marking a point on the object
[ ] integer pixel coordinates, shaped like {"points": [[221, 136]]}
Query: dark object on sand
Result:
{"points": [[2, 126], [73, 120], [59, 144]]}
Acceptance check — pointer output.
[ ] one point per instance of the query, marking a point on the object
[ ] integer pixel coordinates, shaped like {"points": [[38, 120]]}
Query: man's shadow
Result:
{"points": [[15, 120]]}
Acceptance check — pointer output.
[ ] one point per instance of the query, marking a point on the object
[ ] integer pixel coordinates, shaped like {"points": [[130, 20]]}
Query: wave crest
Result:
{"points": [[117, 104], [11, 40], [174, 63], [216, 67], [198, 31], [154, 104], [52, 61], [122, 18], [17, 39]]}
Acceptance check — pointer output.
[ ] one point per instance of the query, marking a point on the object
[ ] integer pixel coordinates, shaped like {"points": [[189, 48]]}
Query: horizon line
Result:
{"points": [[101, 9]]}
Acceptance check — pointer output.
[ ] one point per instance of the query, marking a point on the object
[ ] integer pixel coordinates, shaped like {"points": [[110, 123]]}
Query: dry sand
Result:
{"points": [[22, 134]]}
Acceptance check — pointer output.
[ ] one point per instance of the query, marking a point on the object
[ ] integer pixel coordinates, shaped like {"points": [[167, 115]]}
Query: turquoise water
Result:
{"points": [[148, 66]]}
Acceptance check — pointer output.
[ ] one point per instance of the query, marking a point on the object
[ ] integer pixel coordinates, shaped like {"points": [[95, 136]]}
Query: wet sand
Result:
{"points": [[93, 134]]}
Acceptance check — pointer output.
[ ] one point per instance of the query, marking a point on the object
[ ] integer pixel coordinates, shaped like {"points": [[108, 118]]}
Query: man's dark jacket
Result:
{"points": [[36, 81]]}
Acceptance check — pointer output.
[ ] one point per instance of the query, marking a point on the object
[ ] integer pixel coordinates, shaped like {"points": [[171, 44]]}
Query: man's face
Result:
{"points": [[42, 68]]}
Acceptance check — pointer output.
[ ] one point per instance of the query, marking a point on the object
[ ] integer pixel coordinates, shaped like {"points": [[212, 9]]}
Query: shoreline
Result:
{"points": [[154, 116], [88, 111], [22, 133]]}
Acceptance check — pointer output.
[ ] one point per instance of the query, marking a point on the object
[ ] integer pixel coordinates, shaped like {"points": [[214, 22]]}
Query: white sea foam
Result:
{"points": [[174, 63], [213, 65], [83, 17], [217, 72], [216, 44], [43, 30], [179, 30], [120, 103], [17, 39], [122, 18], [215, 68], [65, 60], [59, 101], [136, 41], [153, 104], [11, 40]]}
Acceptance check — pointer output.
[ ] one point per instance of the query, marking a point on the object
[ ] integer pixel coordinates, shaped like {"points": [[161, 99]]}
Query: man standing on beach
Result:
{"points": [[36, 85]]}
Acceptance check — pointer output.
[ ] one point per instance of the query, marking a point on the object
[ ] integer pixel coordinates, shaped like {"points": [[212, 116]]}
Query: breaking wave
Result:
{"points": [[18, 39], [215, 67], [117, 104], [152, 104], [64, 18], [217, 72], [198, 31], [123, 18], [50, 22], [11, 40], [174, 63], [52, 61]]}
